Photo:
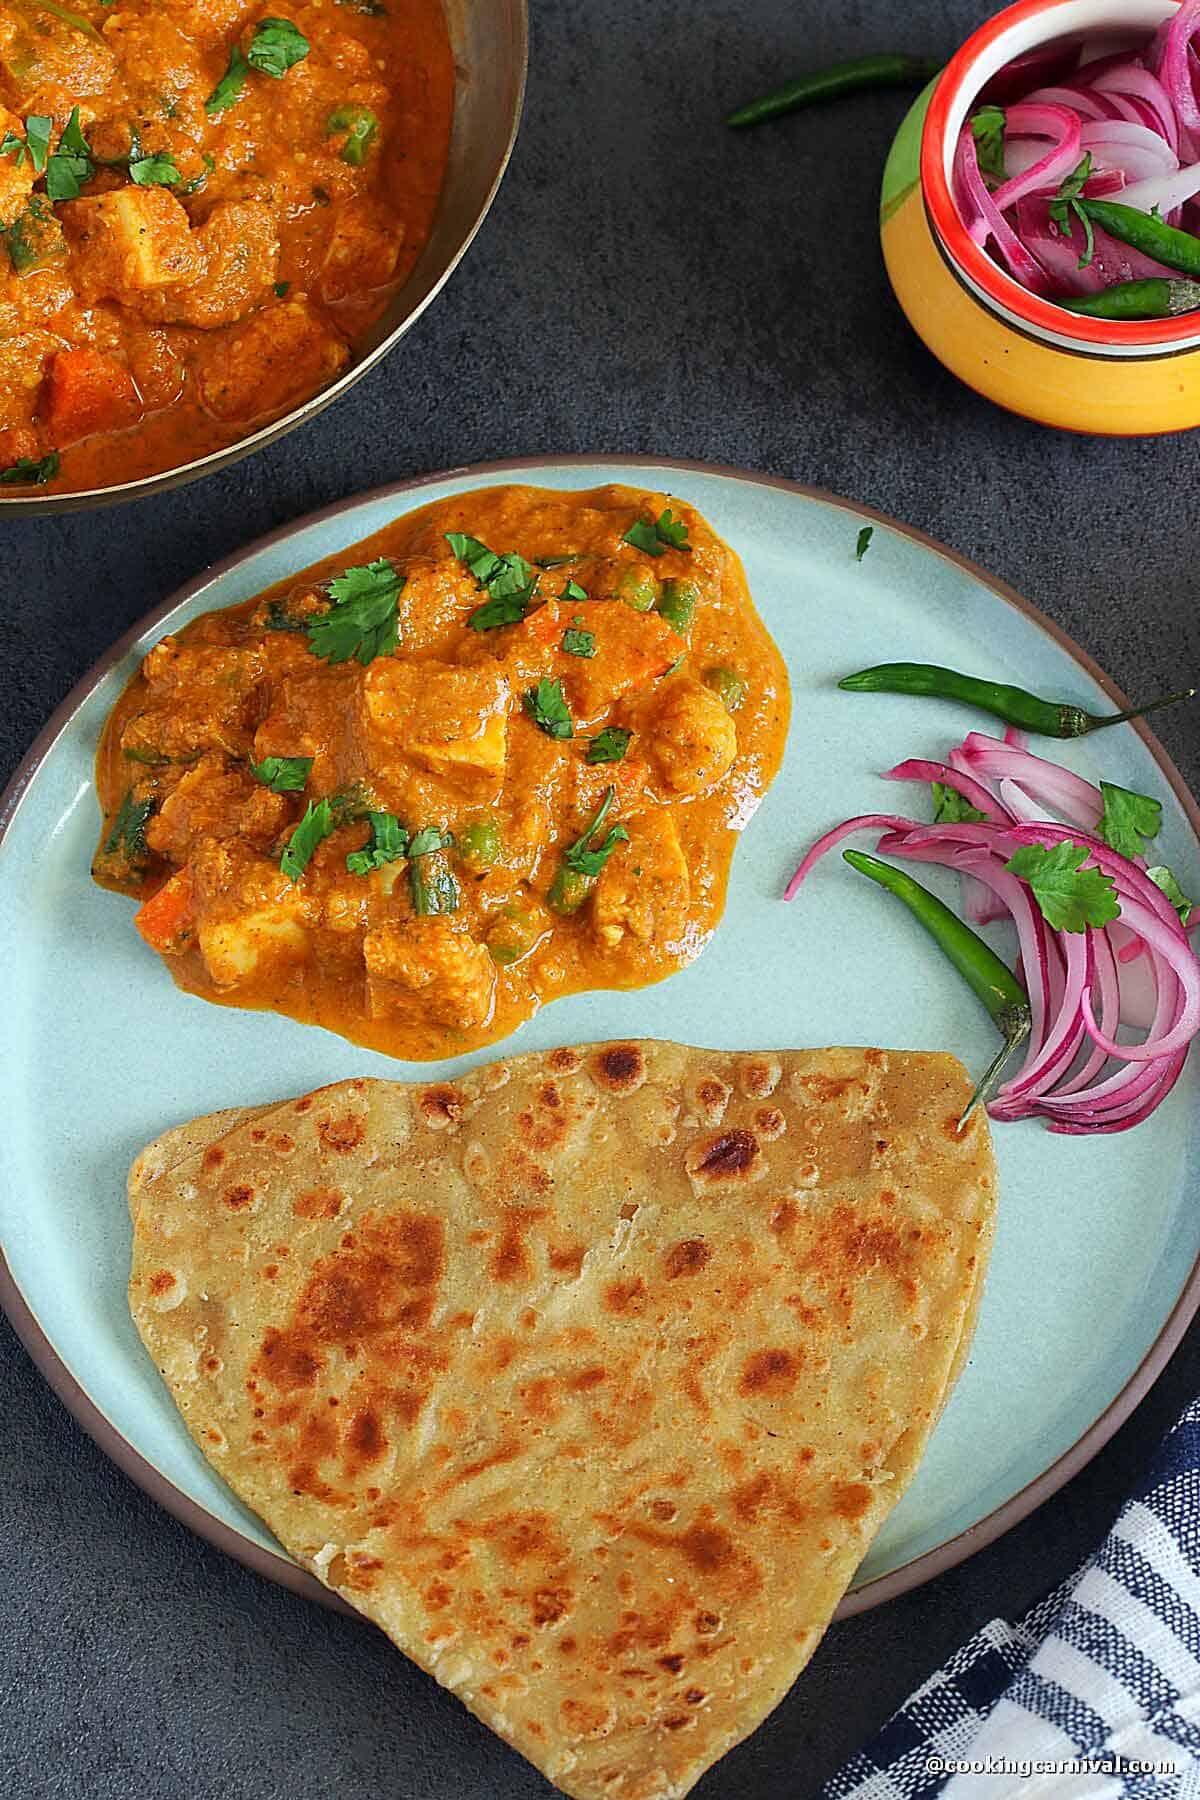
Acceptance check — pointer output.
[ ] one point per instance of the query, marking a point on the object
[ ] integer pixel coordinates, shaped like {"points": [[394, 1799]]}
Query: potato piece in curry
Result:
{"points": [[498, 753], [202, 210]]}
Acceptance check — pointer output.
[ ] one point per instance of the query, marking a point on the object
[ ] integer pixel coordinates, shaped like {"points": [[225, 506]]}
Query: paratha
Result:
{"points": [[588, 1377]]}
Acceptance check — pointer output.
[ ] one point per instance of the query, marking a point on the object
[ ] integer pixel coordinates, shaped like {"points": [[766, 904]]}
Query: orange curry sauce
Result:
{"points": [[663, 666], [215, 267]]}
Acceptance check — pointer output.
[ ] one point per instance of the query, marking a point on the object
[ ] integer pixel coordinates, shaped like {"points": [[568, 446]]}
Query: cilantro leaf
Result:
{"points": [[282, 774], [509, 580], [387, 843], [949, 807], [71, 164], [72, 138], [30, 469], [481, 561], [864, 542], [584, 857], [1128, 819], [987, 128], [609, 745], [362, 621], [573, 591], [1071, 898], [230, 86], [277, 46], [154, 171], [505, 609], [37, 140], [579, 643], [656, 536], [316, 825], [1065, 205], [1164, 878], [548, 709], [434, 890]]}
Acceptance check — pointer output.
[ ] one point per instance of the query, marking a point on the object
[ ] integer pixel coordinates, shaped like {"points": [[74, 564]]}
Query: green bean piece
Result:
{"points": [[728, 686], [1016, 706], [479, 844], [989, 979], [1155, 298], [678, 602], [1178, 249], [889, 70], [638, 588]]}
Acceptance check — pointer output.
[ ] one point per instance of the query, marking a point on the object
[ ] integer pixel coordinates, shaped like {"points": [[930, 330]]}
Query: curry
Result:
{"points": [[203, 209], [497, 753]]}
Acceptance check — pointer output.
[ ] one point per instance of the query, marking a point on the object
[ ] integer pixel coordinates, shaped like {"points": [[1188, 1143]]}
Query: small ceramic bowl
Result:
{"points": [[1093, 375]]}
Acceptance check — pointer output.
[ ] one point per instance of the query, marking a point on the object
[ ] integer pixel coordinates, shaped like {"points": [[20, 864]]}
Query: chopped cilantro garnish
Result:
{"points": [[1070, 897], [609, 745], [360, 126], [230, 86], [950, 808], [656, 536], [35, 144], [37, 470], [281, 288], [573, 591], [71, 164], [585, 858], [1164, 878], [1066, 203], [154, 171], [509, 580], [864, 542], [362, 621], [1128, 819], [505, 609], [548, 709], [282, 774], [277, 46], [579, 643], [387, 843], [313, 829], [987, 128]]}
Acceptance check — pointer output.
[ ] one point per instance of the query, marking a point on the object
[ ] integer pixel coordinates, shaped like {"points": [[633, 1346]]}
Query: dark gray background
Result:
{"points": [[647, 282]]}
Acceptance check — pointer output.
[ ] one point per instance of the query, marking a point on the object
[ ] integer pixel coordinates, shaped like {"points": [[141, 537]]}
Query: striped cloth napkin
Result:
{"points": [[1095, 1693]]}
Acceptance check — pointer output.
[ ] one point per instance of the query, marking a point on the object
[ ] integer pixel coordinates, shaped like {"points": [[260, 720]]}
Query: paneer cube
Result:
{"points": [[256, 368], [689, 737], [451, 721], [129, 242], [214, 800], [251, 920], [435, 962], [238, 248], [364, 247], [643, 891]]}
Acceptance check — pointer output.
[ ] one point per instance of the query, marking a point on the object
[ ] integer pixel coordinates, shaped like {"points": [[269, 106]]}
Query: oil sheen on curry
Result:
{"points": [[497, 753], [204, 204]]}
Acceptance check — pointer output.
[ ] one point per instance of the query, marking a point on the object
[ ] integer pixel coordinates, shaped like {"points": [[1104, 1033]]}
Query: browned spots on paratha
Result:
{"points": [[239, 1197], [851, 1499], [726, 1159], [365, 1440], [344, 1134], [384, 1277], [627, 1295], [770, 1372], [758, 1076], [161, 1283], [319, 1203], [587, 1719], [782, 1218], [567, 1259], [587, 1379], [212, 1159], [619, 1068], [511, 1260], [711, 1096], [441, 1106], [549, 1605], [565, 1060], [770, 1123], [686, 1258]]}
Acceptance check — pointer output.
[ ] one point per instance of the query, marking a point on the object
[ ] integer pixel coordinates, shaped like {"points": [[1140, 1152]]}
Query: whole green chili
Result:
{"points": [[1178, 249], [862, 72], [1154, 298], [989, 979], [1047, 718]]}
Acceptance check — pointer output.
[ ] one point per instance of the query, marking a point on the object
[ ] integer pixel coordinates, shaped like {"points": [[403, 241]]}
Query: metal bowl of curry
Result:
{"points": [[215, 218]]}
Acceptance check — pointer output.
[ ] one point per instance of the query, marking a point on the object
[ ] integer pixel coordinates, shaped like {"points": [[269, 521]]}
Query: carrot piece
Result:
{"points": [[88, 391], [165, 919]]}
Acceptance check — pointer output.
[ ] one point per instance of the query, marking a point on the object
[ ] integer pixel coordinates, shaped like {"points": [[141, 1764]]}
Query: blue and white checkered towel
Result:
{"points": [[1095, 1693]]}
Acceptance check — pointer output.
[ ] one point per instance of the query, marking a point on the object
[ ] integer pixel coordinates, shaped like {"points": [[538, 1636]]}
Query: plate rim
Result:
{"points": [[280, 1569]]}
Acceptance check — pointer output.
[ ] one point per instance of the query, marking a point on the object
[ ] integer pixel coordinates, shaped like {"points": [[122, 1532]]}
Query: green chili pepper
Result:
{"points": [[638, 588], [989, 979], [1155, 298], [1048, 718], [862, 72], [1178, 249]]}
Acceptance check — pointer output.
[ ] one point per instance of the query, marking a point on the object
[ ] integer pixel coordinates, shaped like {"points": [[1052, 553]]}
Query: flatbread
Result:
{"points": [[590, 1376]]}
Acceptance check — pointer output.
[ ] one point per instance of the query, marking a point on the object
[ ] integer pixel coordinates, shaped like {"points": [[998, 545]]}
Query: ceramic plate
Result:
{"points": [[1094, 1272]]}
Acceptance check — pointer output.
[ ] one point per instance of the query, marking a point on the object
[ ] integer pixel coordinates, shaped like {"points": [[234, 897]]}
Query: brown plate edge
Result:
{"points": [[281, 1569]]}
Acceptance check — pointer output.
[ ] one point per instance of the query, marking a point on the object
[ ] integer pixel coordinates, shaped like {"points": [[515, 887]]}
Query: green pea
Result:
{"points": [[568, 891], [678, 602], [479, 844], [728, 686], [516, 931], [360, 125], [637, 588]]}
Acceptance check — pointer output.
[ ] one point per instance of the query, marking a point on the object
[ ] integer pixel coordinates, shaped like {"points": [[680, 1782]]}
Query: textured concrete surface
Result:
{"points": [[646, 282]]}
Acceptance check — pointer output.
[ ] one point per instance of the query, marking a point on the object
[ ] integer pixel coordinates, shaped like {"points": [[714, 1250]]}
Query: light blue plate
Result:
{"points": [[1098, 1237]]}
